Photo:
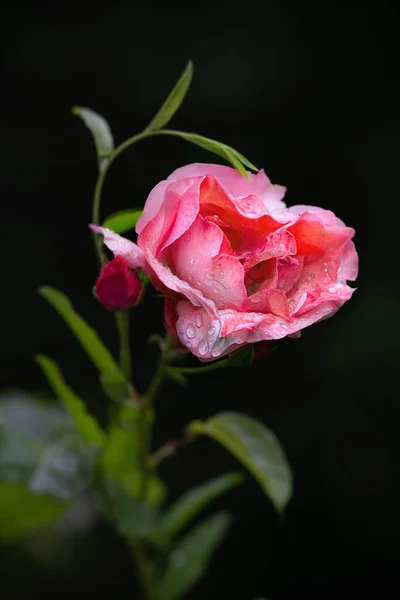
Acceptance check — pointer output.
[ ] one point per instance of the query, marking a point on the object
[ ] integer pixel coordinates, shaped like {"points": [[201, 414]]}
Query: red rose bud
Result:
{"points": [[117, 287]]}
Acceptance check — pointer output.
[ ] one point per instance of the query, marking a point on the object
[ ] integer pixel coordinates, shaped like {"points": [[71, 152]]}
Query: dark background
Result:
{"points": [[310, 93]]}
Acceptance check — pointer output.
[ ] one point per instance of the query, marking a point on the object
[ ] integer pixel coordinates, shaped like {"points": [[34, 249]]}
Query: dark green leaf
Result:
{"points": [[100, 131], [192, 502], [226, 152], [256, 447], [85, 423], [129, 514], [189, 559], [174, 100], [86, 335], [22, 512], [243, 357], [122, 221]]}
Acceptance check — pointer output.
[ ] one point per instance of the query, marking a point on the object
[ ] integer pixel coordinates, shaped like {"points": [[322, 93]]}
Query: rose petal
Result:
{"points": [[235, 185], [153, 204], [348, 268], [196, 330], [309, 233], [197, 260], [120, 245]]}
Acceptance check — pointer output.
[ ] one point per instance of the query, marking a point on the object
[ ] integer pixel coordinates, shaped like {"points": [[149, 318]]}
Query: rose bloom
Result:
{"points": [[235, 264]]}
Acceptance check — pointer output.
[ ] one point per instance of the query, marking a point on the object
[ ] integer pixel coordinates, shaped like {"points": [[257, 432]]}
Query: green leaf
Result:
{"points": [[236, 159], [122, 221], [256, 447], [243, 357], [22, 512], [174, 100], [86, 335], [192, 502], [121, 458], [85, 423], [100, 131], [190, 557], [129, 514]]}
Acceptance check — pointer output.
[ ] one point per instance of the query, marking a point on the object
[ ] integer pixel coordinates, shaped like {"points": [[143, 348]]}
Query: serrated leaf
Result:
{"points": [[174, 100], [242, 357], [85, 423], [189, 559], [192, 502], [231, 155], [122, 221], [100, 131], [22, 512], [256, 447], [87, 336]]}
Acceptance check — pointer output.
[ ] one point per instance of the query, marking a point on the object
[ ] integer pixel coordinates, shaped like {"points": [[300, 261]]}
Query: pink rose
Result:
{"points": [[117, 287], [236, 265]]}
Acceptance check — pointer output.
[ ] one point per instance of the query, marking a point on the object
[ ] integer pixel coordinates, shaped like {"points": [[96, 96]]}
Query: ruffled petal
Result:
{"points": [[123, 247], [196, 258]]}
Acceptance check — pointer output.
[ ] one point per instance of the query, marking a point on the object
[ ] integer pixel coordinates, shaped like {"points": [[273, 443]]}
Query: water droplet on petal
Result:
{"points": [[199, 320], [215, 289], [211, 331], [190, 331], [191, 261], [202, 347], [188, 345], [332, 290], [209, 275]]}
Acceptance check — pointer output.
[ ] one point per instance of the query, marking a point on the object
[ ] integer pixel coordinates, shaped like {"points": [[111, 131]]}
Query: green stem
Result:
{"points": [[102, 175], [122, 320], [143, 566], [147, 410], [196, 370]]}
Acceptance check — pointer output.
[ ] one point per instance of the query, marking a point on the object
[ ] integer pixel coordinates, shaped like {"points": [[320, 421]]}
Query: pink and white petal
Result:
{"points": [[196, 330], [234, 184], [269, 301], [240, 213], [289, 271], [121, 246], [327, 216], [338, 293], [196, 260], [273, 198], [278, 244], [182, 205], [153, 204], [176, 214], [348, 268], [164, 274]]}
